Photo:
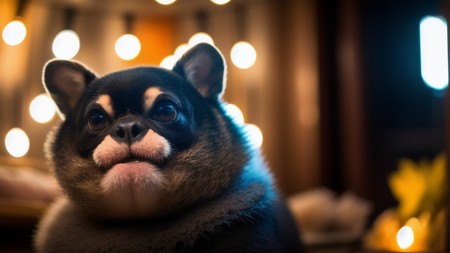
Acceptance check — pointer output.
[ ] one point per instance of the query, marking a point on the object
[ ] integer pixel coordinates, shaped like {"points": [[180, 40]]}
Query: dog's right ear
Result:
{"points": [[65, 81]]}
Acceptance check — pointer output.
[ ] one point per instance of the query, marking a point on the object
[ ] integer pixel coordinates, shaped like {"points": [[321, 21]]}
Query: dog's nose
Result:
{"points": [[129, 132]]}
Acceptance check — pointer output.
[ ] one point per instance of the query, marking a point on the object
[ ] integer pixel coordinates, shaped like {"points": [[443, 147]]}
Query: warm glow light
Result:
{"points": [[128, 47], [165, 2], [243, 55], [433, 52], [66, 44], [405, 237], [255, 135], [17, 142], [42, 108], [180, 50], [14, 33], [220, 2], [235, 113], [200, 37], [168, 62]]}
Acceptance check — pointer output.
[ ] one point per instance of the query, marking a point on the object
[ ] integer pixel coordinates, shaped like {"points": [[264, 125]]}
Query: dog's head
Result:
{"points": [[143, 142]]}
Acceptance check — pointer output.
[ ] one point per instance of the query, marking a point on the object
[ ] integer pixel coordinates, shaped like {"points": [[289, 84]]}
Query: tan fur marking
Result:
{"points": [[153, 146], [105, 102], [150, 96], [109, 152]]}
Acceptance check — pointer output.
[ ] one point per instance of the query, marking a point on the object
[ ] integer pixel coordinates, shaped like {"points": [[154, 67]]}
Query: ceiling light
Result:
{"points": [[14, 33], [243, 55], [66, 44]]}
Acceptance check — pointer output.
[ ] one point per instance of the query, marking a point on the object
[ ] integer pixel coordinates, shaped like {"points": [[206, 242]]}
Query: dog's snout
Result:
{"points": [[129, 132]]}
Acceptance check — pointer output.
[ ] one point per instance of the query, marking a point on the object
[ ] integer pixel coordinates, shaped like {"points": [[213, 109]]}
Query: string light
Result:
{"points": [[128, 47], [168, 62], [235, 113], [165, 2], [66, 44], [243, 55], [14, 33], [180, 50], [42, 108], [254, 134], [220, 2], [200, 37], [17, 142]]}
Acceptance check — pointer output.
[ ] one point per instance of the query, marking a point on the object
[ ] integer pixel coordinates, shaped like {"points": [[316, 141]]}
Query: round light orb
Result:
{"points": [[66, 44], [17, 142], [128, 47], [165, 2], [42, 108], [235, 113], [200, 37], [180, 50], [254, 134], [243, 55], [14, 33], [168, 62], [220, 2], [405, 237]]}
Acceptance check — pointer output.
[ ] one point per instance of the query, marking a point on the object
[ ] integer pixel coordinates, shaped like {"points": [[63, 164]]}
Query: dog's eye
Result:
{"points": [[97, 121], [164, 111]]}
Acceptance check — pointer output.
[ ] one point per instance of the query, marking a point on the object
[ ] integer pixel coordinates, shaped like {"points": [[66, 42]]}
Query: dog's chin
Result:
{"points": [[132, 189]]}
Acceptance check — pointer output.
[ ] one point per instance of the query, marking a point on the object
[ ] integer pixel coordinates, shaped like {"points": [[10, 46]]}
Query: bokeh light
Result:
{"points": [[254, 134], [243, 55], [14, 33], [235, 113], [180, 50], [66, 44], [405, 237], [433, 52], [165, 2], [200, 37], [220, 2], [128, 47], [168, 62], [42, 108], [17, 142]]}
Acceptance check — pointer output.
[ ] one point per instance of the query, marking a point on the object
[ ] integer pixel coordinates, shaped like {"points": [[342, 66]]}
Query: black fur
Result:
{"points": [[217, 196]]}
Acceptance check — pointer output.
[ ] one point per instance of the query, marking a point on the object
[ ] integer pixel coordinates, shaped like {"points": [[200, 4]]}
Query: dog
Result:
{"points": [[150, 161]]}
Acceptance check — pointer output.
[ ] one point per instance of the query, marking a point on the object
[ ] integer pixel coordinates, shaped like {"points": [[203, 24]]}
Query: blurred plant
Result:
{"points": [[419, 187], [421, 191]]}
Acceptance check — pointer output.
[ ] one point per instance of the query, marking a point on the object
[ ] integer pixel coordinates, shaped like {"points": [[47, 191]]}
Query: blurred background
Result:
{"points": [[338, 89]]}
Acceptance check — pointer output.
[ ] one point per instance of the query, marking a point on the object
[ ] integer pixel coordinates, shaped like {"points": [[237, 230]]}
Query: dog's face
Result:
{"points": [[143, 142]]}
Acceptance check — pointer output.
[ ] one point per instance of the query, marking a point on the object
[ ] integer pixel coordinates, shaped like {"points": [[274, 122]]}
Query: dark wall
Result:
{"points": [[370, 56], [405, 116]]}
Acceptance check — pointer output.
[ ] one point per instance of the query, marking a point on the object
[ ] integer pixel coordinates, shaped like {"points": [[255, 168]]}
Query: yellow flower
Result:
{"points": [[408, 186], [419, 187]]}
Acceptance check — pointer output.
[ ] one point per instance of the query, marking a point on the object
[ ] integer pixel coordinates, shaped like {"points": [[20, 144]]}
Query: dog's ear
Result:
{"points": [[65, 81], [204, 67]]}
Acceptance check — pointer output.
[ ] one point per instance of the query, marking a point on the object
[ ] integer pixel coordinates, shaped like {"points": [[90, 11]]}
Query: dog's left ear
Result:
{"points": [[204, 67], [65, 81]]}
